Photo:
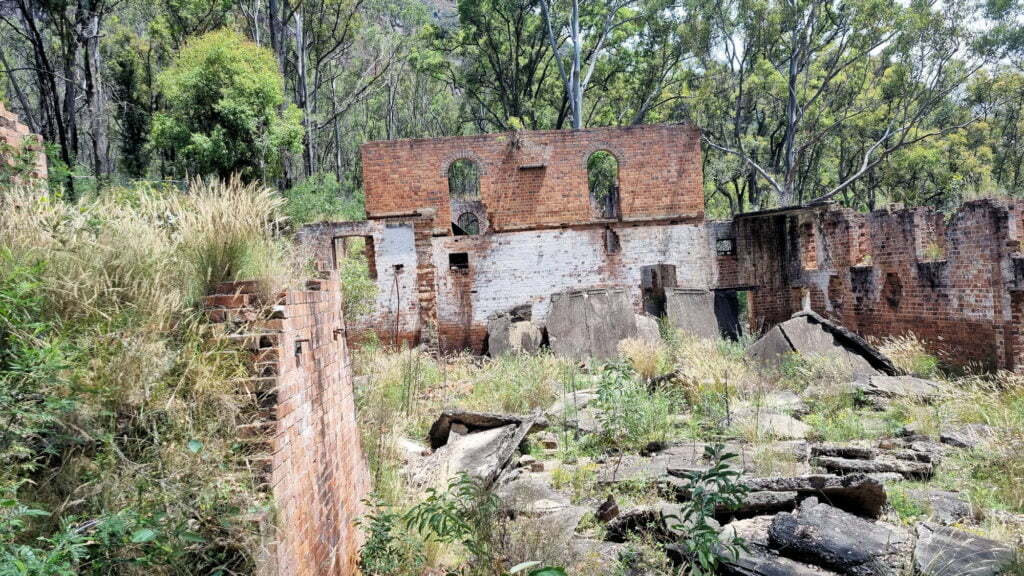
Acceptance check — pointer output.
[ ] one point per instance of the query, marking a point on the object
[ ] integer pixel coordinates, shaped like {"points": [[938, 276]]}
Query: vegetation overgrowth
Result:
{"points": [[713, 383], [118, 449]]}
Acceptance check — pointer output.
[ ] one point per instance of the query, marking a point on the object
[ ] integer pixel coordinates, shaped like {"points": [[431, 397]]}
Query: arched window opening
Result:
{"points": [[603, 180], [464, 180], [467, 224]]}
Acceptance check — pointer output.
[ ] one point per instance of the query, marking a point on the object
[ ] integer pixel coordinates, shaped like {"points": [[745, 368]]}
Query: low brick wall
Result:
{"points": [[309, 455]]}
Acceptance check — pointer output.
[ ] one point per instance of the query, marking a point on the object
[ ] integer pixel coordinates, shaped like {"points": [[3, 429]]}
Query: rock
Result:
{"points": [[537, 466], [828, 537], [968, 436], [762, 563], [545, 538], [886, 477], [843, 451], [943, 551], [530, 496], [411, 449], [907, 387], [944, 507], [753, 530], [596, 557], [608, 510], [811, 335], [526, 460], [911, 455], [549, 441], [909, 470], [662, 522], [762, 502], [506, 335], [576, 410], [692, 311], [855, 493], [481, 454], [647, 328], [458, 429], [769, 422], [484, 452], [474, 422]]}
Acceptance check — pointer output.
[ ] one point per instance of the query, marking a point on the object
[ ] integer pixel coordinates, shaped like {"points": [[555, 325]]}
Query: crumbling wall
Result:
{"points": [[305, 446], [516, 268], [539, 179], [399, 261], [953, 284], [17, 142]]}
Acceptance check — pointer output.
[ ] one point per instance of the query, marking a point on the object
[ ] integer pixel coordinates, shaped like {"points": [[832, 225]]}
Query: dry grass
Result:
{"points": [[909, 354], [648, 358]]}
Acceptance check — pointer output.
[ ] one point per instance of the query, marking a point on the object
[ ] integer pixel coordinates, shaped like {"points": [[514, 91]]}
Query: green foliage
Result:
{"points": [[602, 174], [715, 489], [388, 551], [631, 416], [33, 363], [222, 114], [466, 514], [108, 380], [907, 508], [359, 289], [322, 198], [464, 179]]}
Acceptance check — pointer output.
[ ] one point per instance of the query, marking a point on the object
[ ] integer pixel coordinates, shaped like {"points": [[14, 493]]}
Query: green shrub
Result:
{"points": [[712, 490], [467, 514], [224, 109], [322, 198], [388, 550], [632, 417]]}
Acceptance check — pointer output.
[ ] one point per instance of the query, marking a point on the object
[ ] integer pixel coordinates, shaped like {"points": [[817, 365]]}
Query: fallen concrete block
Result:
{"points": [[811, 335]]}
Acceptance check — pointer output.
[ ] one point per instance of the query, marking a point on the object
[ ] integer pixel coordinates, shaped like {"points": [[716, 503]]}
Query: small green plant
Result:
{"points": [[465, 513], [903, 505], [713, 490], [933, 252], [631, 416], [386, 551]]}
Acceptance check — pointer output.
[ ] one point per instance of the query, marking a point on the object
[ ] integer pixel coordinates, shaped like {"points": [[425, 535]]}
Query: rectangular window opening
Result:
{"points": [[458, 260], [356, 249]]}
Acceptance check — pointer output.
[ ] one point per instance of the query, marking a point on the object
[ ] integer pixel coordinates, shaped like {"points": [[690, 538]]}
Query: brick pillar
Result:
{"points": [[426, 281]]}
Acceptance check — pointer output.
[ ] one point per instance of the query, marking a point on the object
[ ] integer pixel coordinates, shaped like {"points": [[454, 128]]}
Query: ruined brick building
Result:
{"points": [[957, 284], [529, 225], [450, 257]]}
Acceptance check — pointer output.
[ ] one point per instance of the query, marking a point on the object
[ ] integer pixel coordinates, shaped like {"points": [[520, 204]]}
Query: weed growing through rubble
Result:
{"points": [[632, 416], [467, 514], [711, 490]]}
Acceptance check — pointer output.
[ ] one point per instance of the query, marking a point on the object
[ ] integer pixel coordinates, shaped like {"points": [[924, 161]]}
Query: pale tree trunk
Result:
{"points": [[302, 92]]}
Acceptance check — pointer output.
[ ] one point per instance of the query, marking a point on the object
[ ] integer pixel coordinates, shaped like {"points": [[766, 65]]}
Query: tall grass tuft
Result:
{"points": [[225, 229], [909, 354]]}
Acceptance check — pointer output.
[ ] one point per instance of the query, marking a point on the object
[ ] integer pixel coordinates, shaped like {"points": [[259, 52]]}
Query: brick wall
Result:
{"points": [[306, 446], [952, 283], [16, 135], [505, 270], [538, 179]]}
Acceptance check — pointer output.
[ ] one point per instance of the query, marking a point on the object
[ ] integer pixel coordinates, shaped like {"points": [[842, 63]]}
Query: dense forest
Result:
{"points": [[863, 101]]}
